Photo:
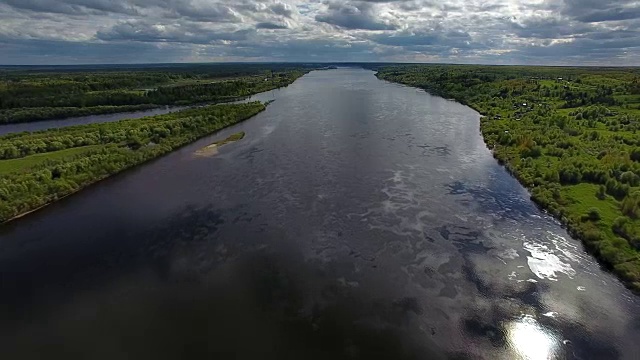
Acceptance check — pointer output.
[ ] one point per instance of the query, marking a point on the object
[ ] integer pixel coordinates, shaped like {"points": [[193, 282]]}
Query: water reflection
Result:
{"points": [[340, 230], [531, 341], [544, 262]]}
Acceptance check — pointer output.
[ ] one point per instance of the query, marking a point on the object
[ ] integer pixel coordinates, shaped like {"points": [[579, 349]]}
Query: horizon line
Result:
{"points": [[308, 63]]}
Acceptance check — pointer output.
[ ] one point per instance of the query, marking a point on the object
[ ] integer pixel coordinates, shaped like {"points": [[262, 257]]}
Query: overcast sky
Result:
{"points": [[587, 32]]}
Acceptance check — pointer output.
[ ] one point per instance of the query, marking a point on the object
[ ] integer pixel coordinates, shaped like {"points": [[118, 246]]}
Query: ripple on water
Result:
{"points": [[546, 262]]}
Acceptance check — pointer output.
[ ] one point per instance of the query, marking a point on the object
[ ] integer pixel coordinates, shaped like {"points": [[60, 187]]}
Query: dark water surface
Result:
{"points": [[357, 219]]}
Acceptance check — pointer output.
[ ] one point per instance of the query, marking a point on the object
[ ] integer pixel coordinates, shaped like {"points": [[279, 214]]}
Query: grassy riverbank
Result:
{"points": [[42, 167], [570, 135]]}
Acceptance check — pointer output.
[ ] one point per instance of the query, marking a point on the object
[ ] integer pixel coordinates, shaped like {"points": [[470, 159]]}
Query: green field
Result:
{"points": [[28, 163]]}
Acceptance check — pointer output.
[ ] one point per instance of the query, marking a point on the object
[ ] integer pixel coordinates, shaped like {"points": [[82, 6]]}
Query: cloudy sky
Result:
{"points": [[588, 32]]}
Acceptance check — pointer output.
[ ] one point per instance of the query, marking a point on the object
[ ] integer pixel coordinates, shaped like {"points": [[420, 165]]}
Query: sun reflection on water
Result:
{"points": [[531, 341]]}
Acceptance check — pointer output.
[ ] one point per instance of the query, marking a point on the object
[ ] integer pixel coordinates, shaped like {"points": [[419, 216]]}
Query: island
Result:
{"points": [[212, 149]]}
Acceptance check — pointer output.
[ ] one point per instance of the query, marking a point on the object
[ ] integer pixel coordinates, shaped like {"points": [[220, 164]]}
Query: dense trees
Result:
{"points": [[39, 95], [569, 134], [103, 149]]}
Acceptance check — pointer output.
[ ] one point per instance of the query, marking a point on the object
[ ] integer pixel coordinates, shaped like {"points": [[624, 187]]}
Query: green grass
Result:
{"points": [[628, 99], [582, 198], [29, 162]]}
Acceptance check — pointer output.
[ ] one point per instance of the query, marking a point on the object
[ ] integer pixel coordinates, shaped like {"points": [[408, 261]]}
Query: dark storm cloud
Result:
{"points": [[353, 15]]}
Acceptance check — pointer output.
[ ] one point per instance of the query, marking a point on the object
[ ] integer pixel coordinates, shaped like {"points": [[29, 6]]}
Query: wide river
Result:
{"points": [[358, 218]]}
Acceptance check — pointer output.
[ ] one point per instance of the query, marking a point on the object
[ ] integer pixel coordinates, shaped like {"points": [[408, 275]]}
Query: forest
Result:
{"points": [[34, 94], [41, 167], [569, 134]]}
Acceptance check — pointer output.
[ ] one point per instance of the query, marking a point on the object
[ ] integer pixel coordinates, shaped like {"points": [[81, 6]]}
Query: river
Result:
{"points": [[357, 219]]}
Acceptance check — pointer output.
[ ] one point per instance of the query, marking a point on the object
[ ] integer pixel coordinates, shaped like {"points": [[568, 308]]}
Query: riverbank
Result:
{"points": [[122, 145], [576, 158]]}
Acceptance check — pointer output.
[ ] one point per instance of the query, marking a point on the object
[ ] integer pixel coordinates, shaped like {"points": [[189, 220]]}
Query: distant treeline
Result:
{"points": [[46, 113], [571, 135], [32, 96]]}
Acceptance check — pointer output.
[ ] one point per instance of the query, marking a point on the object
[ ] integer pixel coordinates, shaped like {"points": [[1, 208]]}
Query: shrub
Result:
{"points": [[631, 205], [593, 214]]}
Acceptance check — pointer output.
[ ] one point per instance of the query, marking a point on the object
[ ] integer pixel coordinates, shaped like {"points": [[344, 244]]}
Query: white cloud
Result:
{"points": [[487, 31]]}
